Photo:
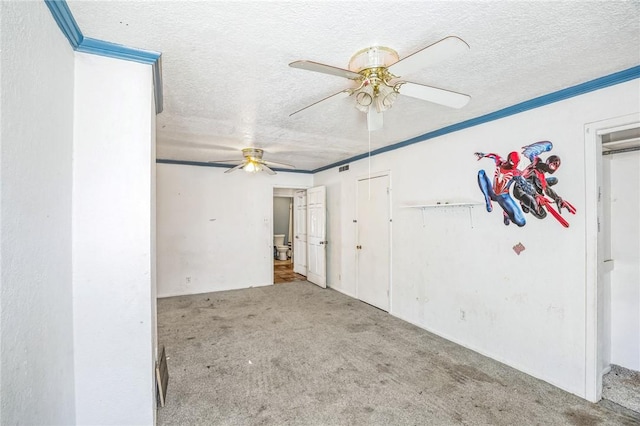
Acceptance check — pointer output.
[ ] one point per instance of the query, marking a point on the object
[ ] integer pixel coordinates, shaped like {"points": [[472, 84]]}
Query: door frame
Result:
{"points": [[594, 261], [273, 190], [390, 230]]}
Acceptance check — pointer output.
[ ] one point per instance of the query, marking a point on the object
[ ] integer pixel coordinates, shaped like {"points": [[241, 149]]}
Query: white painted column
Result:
{"points": [[113, 227], [36, 135]]}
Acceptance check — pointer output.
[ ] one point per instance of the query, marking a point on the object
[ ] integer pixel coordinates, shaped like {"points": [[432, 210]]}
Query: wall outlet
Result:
{"points": [[188, 280], [463, 315]]}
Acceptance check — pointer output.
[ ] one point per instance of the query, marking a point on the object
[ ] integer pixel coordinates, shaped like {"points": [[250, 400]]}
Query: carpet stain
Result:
{"points": [[358, 328], [383, 368], [461, 373], [580, 418]]}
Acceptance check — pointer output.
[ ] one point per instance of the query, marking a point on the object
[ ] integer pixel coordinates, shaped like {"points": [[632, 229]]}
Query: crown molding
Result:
{"points": [[222, 165], [69, 27], [570, 92], [64, 18]]}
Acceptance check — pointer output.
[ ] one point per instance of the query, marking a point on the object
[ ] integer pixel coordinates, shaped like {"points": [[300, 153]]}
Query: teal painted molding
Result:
{"points": [[63, 17], [65, 20], [118, 51], [579, 89], [201, 164]]}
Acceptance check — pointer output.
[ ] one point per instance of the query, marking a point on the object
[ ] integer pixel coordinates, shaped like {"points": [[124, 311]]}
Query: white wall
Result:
{"points": [[215, 230], [281, 216], [37, 385], [461, 279], [625, 250], [112, 237]]}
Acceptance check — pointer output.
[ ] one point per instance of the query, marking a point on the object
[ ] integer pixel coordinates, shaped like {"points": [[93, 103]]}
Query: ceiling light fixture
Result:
{"points": [[376, 88], [252, 166]]}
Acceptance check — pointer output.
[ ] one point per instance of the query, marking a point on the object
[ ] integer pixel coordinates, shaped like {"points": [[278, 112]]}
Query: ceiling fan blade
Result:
{"points": [[342, 94], [434, 94], [267, 169], [239, 166], [224, 161], [274, 164], [325, 69], [429, 56], [374, 120]]}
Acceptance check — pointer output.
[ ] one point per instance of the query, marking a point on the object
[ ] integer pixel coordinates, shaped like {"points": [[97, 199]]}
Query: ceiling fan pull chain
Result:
{"points": [[369, 180]]}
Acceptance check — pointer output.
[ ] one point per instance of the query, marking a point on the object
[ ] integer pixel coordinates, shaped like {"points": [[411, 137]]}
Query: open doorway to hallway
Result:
{"points": [[288, 238], [283, 272]]}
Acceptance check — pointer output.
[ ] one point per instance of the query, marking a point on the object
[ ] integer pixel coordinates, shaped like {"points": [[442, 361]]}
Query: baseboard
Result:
{"points": [[341, 290], [205, 291], [488, 355]]}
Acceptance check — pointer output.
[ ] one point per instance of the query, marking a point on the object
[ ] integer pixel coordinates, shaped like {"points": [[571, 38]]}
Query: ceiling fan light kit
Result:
{"points": [[377, 71], [252, 167], [253, 162]]}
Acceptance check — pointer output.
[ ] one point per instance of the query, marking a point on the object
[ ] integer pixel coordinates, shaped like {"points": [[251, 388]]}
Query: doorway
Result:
{"points": [[286, 241], [613, 249], [373, 247]]}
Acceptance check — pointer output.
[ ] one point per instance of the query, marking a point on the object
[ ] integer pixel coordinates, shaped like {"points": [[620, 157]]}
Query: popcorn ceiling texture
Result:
{"points": [[227, 84]]}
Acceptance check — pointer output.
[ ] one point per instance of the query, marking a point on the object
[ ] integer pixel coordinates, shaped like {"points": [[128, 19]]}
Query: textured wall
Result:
{"points": [[215, 230], [114, 326], [457, 275], [37, 384]]}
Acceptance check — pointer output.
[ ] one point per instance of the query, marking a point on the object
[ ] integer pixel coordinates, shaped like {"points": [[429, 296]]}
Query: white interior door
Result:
{"points": [[373, 249], [316, 234], [300, 233]]}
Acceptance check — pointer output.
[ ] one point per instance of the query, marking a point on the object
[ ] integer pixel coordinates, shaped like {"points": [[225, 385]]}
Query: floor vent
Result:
{"points": [[162, 378]]}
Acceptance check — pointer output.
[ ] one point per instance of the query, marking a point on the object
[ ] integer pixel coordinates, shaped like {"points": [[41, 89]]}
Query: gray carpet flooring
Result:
{"points": [[296, 354], [622, 386]]}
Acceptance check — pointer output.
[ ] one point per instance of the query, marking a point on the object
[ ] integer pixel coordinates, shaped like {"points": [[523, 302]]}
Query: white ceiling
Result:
{"points": [[227, 84]]}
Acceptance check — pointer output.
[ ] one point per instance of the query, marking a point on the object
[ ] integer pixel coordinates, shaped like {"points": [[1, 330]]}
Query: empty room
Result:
{"points": [[320, 213]]}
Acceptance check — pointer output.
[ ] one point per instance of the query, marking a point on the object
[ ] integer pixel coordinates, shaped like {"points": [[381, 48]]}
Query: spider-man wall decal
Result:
{"points": [[531, 186]]}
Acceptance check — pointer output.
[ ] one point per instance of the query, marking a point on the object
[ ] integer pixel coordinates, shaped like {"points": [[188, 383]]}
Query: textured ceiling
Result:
{"points": [[227, 84]]}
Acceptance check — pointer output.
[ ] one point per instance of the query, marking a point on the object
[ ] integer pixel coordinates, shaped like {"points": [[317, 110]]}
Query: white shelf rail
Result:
{"points": [[442, 204]]}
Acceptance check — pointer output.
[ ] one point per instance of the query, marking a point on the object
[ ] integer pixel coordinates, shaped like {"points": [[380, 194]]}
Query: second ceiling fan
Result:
{"points": [[253, 162], [377, 73]]}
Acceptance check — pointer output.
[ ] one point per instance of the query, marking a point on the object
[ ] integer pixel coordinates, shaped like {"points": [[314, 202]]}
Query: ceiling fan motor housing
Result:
{"points": [[252, 153], [373, 57]]}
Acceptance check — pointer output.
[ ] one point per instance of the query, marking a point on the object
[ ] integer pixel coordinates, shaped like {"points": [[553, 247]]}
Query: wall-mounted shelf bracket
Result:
{"points": [[443, 204]]}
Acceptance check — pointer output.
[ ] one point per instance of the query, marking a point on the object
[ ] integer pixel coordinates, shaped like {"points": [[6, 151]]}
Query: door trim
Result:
{"points": [[273, 190], [593, 248]]}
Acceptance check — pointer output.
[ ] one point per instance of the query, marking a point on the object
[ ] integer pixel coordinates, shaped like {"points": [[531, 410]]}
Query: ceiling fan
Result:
{"points": [[377, 71], [253, 162]]}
